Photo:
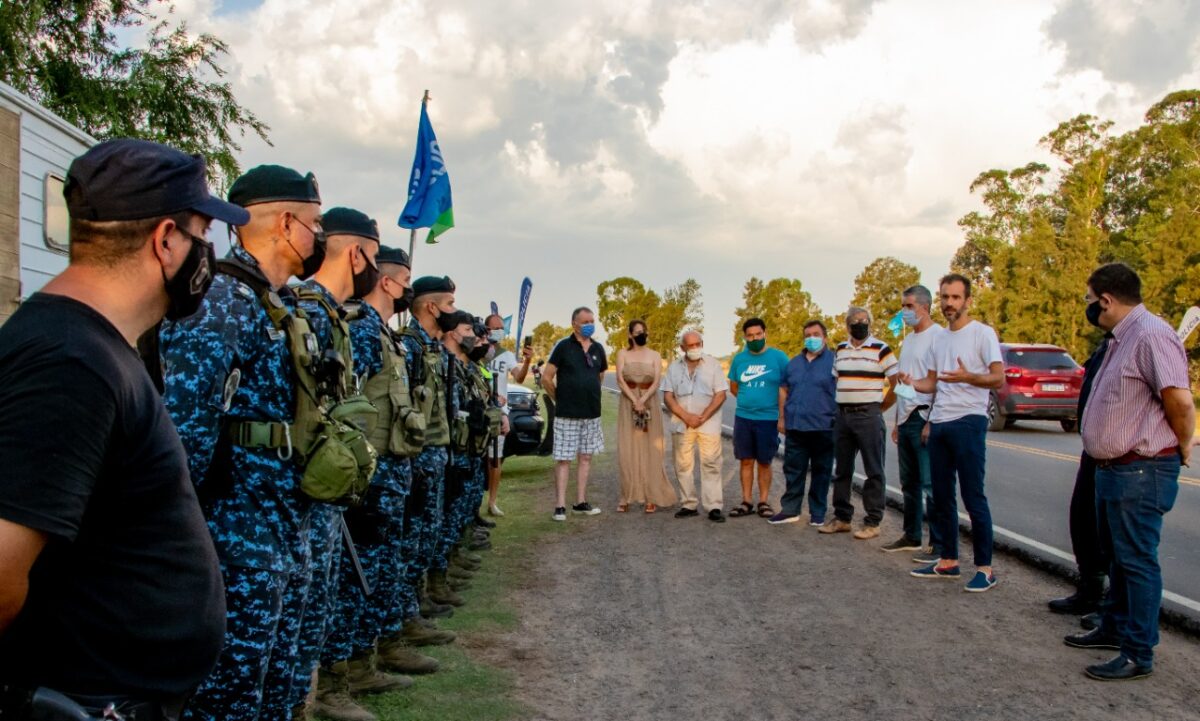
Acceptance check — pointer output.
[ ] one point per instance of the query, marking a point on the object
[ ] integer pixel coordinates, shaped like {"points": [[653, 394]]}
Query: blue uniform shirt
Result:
{"points": [[259, 518], [811, 388]]}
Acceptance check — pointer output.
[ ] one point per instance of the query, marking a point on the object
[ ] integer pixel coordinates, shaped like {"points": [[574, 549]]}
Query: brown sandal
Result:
{"points": [[622, 507], [651, 508]]}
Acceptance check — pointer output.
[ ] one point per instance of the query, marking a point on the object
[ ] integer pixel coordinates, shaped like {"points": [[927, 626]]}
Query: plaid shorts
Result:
{"points": [[577, 436]]}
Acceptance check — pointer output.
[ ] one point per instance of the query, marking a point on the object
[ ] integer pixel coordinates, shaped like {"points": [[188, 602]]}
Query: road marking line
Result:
{"points": [[1064, 457]]}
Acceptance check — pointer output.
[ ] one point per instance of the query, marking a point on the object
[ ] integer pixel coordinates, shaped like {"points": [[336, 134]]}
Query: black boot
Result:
{"points": [[1085, 600]]}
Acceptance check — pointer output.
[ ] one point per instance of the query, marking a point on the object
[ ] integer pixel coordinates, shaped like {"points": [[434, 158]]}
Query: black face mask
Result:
{"points": [[468, 344], [404, 302], [185, 291], [1093, 313], [478, 353], [640, 339], [446, 322], [312, 263], [365, 281], [859, 331]]}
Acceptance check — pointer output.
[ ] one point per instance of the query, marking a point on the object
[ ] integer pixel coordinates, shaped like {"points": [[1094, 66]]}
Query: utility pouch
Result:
{"points": [[340, 465]]}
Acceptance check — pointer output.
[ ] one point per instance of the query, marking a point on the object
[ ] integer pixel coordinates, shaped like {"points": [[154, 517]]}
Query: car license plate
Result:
{"points": [[1054, 387]]}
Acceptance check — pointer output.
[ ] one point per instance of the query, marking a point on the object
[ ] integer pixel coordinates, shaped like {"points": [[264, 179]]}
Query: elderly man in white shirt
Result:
{"points": [[694, 389]]}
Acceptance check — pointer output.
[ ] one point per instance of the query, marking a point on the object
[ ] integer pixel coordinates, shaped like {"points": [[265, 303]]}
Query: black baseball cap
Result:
{"points": [[126, 179]]}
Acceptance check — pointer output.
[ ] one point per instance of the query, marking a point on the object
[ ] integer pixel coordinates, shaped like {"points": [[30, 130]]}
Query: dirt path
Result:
{"points": [[651, 617]]}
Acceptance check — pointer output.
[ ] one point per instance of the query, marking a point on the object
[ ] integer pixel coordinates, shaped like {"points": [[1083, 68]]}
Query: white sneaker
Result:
{"points": [[494, 510], [560, 514]]}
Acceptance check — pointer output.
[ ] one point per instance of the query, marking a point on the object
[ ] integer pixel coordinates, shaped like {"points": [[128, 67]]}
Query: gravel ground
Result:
{"points": [[650, 617]]}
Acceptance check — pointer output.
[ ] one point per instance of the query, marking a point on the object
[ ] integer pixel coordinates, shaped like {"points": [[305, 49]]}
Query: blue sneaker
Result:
{"points": [[816, 521], [980, 583], [781, 518], [932, 571]]}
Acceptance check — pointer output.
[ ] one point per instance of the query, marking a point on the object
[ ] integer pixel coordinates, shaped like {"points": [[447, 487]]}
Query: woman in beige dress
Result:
{"points": [[640, 426]]}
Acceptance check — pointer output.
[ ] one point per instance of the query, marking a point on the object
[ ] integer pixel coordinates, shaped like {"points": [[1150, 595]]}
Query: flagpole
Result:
{"points": [[412, 234]]}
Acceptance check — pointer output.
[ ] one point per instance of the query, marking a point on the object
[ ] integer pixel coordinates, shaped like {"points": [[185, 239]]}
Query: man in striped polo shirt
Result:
{"points": [[864, 365]]}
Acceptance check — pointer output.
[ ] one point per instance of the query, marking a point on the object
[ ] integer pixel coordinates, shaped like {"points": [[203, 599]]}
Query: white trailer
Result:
{"points": [[36, 146]]}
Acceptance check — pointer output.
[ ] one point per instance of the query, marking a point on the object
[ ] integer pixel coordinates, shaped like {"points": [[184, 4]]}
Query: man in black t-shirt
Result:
{"points": [[572, 378], [110, 590]]}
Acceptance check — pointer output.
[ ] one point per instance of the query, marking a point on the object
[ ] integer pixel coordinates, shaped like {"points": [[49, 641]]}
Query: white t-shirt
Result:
{"points": [[914, 360], [502, 365], [978, 347]]}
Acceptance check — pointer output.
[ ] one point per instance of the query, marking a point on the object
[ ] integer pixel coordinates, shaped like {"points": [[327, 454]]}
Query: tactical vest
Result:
{"points": [[429, 391], [400, 428], [479, 421], [327, 434]]}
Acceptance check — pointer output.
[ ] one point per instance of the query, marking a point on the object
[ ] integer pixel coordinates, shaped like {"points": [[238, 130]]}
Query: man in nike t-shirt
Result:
{"points": [[754, 378]]}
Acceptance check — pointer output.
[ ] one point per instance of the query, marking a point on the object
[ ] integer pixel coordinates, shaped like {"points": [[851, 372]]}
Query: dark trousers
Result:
{"points": [[1090, 554], [915, 481], [802, 450], [547, 445], [958, 452], [859, 430], [1133, 499]]}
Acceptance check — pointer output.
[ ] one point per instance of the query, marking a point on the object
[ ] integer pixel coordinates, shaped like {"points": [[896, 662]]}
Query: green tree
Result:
{"points": [[545, 335], [1011, 197], [624, 299], [66, 56], [878, 288], [784, 306]]}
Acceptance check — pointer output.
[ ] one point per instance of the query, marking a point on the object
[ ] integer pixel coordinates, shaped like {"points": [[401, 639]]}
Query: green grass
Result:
{"points": [[469, 687]]}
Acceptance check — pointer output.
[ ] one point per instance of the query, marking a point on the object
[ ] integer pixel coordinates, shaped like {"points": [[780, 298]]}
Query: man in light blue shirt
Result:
{"points": [[755, 375]]}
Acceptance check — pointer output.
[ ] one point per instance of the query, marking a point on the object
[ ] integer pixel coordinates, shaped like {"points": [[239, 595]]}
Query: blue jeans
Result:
{"points": [[802, 449], [958, 449], [1132, 500], [915, 482]]}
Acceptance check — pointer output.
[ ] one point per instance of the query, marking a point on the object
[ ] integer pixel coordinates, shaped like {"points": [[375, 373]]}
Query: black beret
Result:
{"points": [[128, 179], [273, 184], [395, 256], [432, 284], [347, 221], [462, 317]]}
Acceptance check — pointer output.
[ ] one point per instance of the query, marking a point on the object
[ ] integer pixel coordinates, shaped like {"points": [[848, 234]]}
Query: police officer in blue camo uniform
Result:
{"points": [[228, 373], [429, 367], [352, 242]]}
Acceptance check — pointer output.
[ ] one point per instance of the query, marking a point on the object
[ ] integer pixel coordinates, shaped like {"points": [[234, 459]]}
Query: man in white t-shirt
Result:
{"points": [[912, 412], [964, 366], [503, 363]]}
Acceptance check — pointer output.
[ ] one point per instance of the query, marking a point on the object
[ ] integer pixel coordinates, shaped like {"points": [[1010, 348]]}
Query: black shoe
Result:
{"points": [[686, 513], [715, 516], [483, 522], [1096, 638], [1090, 621], [1118, 669], [1077, 604]]}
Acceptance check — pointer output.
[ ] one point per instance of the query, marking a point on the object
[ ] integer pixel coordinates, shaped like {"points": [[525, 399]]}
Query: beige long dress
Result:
{"points": [[640, 453]]}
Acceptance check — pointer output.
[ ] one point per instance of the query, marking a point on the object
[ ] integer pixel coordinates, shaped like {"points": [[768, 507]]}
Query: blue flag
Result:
{"points": [[896, 324], [429, 204], [522, 305], [507, 325], [495, 308]]}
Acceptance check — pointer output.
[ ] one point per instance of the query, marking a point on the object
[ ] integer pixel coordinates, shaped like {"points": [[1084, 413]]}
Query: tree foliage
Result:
{"points": [[65, 55], [784, 306], [545, 335], [622, 300], [879, 288]]}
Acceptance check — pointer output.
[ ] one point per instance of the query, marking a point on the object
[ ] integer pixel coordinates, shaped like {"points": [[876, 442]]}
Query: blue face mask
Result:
{"points": [[909, 316], [812, 344], [587, 329]]}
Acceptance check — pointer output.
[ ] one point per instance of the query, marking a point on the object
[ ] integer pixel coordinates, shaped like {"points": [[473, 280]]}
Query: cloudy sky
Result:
{"points": [[667, 139]]}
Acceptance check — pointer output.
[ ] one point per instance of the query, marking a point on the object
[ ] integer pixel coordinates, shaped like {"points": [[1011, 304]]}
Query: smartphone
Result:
{"points": [[528, 342]]}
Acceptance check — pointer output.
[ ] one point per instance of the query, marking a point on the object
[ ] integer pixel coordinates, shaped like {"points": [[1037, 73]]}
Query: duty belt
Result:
{"points": [[260, 434]]}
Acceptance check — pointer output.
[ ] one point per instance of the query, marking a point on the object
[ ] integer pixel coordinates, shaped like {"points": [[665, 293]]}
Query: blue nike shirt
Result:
{"points": [[758, 378]]}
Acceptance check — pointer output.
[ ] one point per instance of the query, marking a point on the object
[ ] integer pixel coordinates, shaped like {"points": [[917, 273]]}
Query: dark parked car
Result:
{"points": [[525, 423], [1040, 382]]}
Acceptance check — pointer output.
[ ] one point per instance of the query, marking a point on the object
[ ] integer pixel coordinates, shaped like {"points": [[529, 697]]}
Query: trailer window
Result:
{"points": [[54, 217]]}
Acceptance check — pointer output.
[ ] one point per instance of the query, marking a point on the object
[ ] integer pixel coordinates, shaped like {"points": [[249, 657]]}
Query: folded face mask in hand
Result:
{"points": [[903, 390]]}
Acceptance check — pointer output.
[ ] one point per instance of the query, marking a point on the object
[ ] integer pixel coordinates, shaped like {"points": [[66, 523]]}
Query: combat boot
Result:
{"points": [[458, 584], [394, 656], [480, 543], [458, 572], [300, 712], [333, 696], [459, 559], [430, 608], [363, 677], [440, 592], [474, 558], [422, 632], [483, 522]]}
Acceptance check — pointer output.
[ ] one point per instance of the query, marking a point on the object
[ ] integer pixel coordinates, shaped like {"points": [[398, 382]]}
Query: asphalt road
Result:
{"points": [[1031, 472]]}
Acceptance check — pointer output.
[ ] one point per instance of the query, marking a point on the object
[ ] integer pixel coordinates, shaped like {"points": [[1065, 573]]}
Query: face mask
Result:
{"points": [[446, 322], [756, 346], [813, 344], [694, 354], [468, 344], [365, 281], [640, 339], [185, 291], [859, 331], [478, 353], [1093, 313], [909, 317], [312, 263], [491, 352], [587, 329], [495, 336], [404, 302]]}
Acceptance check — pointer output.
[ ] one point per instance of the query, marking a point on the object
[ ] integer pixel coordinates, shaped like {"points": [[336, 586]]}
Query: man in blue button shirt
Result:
{"points": [[810, 409]]}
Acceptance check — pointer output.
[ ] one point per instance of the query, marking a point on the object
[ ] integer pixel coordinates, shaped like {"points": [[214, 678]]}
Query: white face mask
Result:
{"points": [[495, 336], [694, 354]]}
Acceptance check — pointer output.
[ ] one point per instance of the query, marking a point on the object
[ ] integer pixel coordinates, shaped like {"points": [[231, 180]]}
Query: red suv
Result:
{"points": [[1040, 382]]}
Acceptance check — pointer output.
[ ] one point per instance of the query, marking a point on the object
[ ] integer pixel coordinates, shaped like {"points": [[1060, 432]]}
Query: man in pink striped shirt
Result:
{"points": [[1138, 425]]}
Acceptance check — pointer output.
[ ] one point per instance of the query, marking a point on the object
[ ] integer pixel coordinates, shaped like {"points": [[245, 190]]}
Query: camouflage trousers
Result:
{"points": [[464, 493], [313, 610], [422, 523]]}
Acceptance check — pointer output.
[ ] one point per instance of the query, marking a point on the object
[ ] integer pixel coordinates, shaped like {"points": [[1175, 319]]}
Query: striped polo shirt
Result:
{"points": [[862, 372]]}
